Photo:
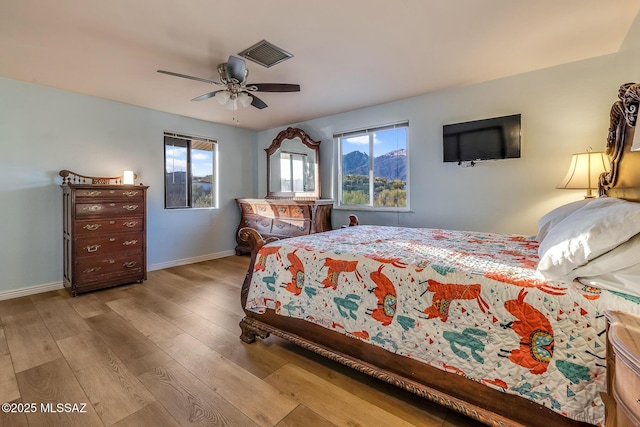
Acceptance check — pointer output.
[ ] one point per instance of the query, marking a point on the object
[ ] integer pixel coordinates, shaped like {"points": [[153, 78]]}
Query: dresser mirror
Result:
{"points": [[293, 166]]}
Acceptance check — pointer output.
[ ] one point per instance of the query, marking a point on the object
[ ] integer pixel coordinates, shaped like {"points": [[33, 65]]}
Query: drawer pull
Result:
{"points": [[262, 209], [112, 239], [112, 222], [130, 264], [92, 248], [93, 193], [130, 207], [129, 193], [301, 227], [93, 208], [265, 223], [92, 269], [129, 242], [91, 227], [130, 224], [282, 209], [298, 210], [280, 226]]}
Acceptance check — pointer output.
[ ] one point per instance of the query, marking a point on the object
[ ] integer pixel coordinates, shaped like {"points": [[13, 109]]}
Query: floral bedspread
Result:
{"points": [[465, 302]]}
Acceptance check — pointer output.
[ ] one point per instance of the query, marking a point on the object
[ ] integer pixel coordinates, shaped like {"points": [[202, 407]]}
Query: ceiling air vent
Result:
{"points": [[265, 54]]}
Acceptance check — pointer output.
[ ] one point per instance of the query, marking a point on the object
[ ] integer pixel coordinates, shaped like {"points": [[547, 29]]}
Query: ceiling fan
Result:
{"points": [[233, 77]]}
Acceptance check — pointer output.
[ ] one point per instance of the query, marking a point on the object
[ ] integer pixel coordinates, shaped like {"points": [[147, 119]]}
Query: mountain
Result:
{"points": [[392, 165]]}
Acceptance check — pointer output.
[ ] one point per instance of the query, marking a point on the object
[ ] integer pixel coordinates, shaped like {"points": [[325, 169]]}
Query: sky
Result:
{"points": [[383, 142]]}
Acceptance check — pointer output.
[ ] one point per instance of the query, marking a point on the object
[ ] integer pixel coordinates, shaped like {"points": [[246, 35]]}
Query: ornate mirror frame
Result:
{"points": [[290, 134]]}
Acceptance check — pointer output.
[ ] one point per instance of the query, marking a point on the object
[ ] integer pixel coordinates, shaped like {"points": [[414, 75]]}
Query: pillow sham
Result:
{"points": [[616, 270], [556, 215], [590, 231]]}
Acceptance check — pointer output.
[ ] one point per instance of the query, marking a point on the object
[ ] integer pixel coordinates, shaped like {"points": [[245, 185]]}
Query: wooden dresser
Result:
{"points": [[104, 235], [283, 218], [622, 399]]}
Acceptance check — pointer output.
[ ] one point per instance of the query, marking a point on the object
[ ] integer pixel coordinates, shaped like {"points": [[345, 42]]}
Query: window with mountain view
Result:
{"points": [[189, 167], [373, 167]]}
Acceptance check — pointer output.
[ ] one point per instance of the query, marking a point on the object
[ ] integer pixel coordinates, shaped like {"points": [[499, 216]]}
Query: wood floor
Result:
{"points": [[167, 353]]}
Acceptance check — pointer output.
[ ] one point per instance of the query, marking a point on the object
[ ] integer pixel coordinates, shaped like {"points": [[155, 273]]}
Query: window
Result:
{"points": [[293, 168], [190, 172], [372, 170]]}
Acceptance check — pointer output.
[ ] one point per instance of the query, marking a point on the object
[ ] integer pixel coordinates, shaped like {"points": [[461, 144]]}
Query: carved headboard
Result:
{"points": [[623, 180]]}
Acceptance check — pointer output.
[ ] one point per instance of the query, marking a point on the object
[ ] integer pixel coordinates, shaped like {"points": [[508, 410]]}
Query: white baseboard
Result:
{"points": [[193, 260], [32, 290]]}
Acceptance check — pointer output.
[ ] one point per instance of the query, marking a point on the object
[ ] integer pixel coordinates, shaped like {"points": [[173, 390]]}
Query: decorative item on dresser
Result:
{"points": [[623, 370], [104, 232], [282, 218]]}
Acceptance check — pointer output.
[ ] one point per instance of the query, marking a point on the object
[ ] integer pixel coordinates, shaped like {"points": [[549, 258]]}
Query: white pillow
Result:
{"points": [[556, 215], [616, 270], [594, 229]]}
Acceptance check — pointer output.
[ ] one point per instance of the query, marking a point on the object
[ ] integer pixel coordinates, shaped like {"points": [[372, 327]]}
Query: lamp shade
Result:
{"points": [[128, 177], [584, 172], [223, 97]]}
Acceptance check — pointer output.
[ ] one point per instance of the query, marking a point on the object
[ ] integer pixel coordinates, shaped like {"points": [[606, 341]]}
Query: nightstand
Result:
{"points": [[622, 400]]}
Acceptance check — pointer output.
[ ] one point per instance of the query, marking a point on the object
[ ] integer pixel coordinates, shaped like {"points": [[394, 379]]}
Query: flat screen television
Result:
{"points": [[488, 139]]}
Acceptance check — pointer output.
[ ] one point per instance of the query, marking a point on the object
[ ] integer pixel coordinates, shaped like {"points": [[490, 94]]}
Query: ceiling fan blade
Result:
{"points": [[258, 103], [184, 76], [206, 95], [276, 87], [236, 69]]}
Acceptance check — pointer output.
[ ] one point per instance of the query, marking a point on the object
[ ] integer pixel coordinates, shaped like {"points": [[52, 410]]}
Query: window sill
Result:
{"points": [[371, 209]]}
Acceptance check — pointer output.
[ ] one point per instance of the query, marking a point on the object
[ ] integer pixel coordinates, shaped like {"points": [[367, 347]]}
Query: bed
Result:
{"points": [[506, 329]]}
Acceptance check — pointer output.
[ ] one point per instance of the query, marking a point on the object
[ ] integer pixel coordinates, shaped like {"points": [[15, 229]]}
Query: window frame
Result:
{"points": [[370, 132], [189, 173]]}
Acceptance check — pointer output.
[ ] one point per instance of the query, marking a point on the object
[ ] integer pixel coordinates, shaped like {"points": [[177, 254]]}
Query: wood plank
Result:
{"points": [[172, 287], [216, 314], [61, 319], [264, 404], [112, 389], [88, 305], [335, 404], [304, 417], [150, 324], [155, 302], [405, 405], [54, 383], [29, 340], [16, 306], [153, 415], [13, 419], [190, 401], [136, 351], [8, 384], [256, 358]]}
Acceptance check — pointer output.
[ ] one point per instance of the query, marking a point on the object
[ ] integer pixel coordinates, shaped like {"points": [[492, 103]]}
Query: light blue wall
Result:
{"points": [[564, 110], [44, 130]]}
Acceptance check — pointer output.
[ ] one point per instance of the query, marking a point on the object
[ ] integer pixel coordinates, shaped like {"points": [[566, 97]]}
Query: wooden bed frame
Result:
{"points": [[453, 391]]}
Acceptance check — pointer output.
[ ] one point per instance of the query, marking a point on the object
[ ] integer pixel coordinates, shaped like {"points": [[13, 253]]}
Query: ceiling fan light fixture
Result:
{"points": [[245, 99], [223, 97], [232, 104]]}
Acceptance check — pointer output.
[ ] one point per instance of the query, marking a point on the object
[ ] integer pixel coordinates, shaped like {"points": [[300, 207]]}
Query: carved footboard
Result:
{"points": [[455, 392]]}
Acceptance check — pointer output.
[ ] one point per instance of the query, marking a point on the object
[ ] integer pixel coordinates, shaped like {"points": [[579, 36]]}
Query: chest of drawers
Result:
{"points": [[623, 370], [283, 218], [104, 235]]}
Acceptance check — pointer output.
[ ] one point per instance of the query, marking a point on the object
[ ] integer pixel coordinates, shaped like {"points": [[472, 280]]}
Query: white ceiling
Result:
{"points": [[348, 54]]}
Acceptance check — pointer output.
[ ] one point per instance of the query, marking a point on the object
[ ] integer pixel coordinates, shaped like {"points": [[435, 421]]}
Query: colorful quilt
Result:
{"points": [[465, 302]]}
